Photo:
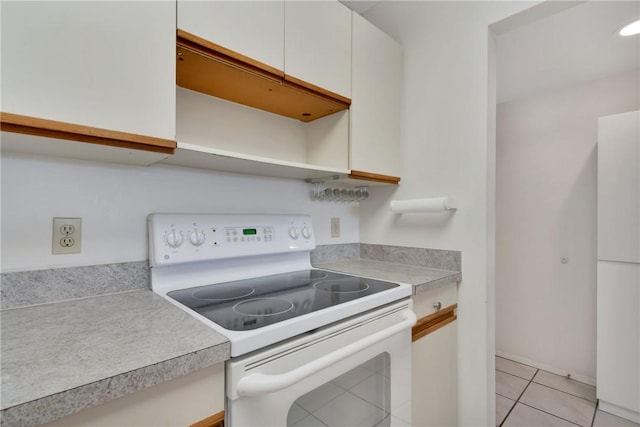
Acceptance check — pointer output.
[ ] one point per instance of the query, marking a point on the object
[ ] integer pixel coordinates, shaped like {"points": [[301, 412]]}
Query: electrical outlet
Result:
{"points": [[335, 227], [67, 234]]}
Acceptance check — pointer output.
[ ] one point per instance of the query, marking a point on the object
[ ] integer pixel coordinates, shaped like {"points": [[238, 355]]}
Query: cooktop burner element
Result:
{"points": [[263, 307], [222, 292], [343, 287], [275, 298]]}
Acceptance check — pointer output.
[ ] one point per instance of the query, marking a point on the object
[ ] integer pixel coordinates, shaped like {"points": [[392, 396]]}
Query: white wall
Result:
{"points": [[447, 152], [114, 201], [546, 210]]}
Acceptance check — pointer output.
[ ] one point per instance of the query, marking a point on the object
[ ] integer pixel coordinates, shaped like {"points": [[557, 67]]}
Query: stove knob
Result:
{"points": [[196, 237], [174, 238], [306, 233], [293, 233]]}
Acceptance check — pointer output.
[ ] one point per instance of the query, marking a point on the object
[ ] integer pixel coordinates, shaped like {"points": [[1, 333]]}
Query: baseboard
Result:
{"points": [[618, 411], [545, 367]]}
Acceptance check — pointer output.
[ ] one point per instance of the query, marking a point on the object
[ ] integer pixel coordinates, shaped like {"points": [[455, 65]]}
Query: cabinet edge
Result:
{"points": [[17, 123], [213, 50], [431, 323], [317, 91], [215, 420]]}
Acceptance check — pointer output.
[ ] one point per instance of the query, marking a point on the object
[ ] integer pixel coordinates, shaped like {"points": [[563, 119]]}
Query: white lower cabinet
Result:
{"points": [[179, 402], [434, 364]]}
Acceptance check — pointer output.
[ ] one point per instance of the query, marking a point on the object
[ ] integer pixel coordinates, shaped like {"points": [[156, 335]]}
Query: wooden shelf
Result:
{"points": [[196, 156], [205, 67]]}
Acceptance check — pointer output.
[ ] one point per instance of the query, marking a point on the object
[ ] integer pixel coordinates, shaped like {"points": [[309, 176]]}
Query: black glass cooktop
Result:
{"points": [[253, 303]]}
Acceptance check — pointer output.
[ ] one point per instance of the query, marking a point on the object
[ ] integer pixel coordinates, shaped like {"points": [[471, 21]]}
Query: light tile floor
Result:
{"points": [[526, 396]]}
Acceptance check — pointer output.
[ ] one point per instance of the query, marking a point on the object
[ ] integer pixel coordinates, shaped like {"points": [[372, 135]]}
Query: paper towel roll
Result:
{"points": [[435, 204]]}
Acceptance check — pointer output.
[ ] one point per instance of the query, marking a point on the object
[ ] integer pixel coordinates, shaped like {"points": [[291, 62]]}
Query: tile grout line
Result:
{"points": [[565, 392], [546, 385], [519, 363], [553, 415], [561, 391], [517, 376], [518, 399], [595, 411], [575, 381]]}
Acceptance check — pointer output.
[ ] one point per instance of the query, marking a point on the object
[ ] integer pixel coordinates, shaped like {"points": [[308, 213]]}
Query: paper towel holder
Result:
{"points": [[433, 204]]}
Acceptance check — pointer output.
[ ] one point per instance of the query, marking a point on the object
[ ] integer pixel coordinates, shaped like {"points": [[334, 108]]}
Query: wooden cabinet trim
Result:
{"points": [[215, 420], [249, 82], [434, 321], [375, 177], [317, 90], [72, 132]]}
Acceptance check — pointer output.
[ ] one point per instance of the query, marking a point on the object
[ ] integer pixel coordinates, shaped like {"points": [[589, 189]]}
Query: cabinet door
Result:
{"points": [[434, 378], [375, 103], [434, 363], [252, 28], [105, 64], [317, 44], [182, 401]]}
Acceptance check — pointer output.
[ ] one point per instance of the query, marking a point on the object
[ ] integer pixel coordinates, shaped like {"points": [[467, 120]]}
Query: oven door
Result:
{"points": [[353, 373]]}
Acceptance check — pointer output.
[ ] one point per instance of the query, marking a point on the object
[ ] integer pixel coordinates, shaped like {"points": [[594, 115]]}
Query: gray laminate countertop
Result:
{"points": [[422, 278], [61, 357]]}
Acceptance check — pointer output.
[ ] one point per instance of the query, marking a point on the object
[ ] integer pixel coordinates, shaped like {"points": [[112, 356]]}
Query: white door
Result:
{"points": [[618, 349], [618, 295], [619, 187]]}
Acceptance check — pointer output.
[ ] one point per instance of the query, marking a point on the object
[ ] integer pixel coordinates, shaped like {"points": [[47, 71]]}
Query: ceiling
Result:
{"points": [[576, 43], [574, 46]]}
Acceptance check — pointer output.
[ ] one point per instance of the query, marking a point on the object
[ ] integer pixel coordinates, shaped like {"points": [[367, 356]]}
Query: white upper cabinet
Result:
{"points": [[252, 28], [317, 44], [376, 100], [109, 65]]}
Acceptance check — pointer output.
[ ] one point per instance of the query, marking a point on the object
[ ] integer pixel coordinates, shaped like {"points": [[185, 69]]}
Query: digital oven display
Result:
{"points": [[249, 231]]}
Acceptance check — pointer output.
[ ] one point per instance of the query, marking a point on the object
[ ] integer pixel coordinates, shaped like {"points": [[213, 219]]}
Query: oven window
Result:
{"points": [[360, 397]]}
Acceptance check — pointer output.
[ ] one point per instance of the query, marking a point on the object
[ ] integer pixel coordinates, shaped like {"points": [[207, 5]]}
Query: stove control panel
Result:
{"points": [[180, 238]]}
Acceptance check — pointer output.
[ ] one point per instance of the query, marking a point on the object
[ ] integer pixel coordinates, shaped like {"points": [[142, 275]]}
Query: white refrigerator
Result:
{"points": [[618, 295]]}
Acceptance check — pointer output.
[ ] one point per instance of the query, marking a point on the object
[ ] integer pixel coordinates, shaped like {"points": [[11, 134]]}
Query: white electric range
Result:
{"points": [[291, 327], [250, 276]]}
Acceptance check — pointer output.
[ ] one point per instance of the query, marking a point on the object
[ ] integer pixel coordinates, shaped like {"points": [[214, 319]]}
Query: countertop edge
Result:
{"points": [[68, 402], [437, 283]]}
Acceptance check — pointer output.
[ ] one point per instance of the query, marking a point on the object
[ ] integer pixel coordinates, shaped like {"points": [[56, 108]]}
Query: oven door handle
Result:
{"points": [[255, 384]]}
